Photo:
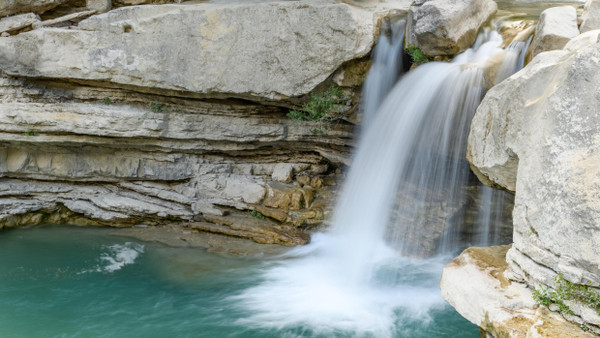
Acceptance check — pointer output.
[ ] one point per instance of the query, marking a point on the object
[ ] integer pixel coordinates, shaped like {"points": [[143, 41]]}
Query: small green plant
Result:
{"points": [[156, 107], [30, 133], [564, 290], [106, 100], [322, 108], [417, 55], [256, 214]]}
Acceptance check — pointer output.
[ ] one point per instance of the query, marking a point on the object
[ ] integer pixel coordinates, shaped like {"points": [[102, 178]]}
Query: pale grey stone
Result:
{"points": [[474, 283], [100, 6], [17, 22], [10, 7], [69, 17], [443, 27], [283, 172], [271, 50], [590, 18], [556, 26], [583, 40], [537, 133]]}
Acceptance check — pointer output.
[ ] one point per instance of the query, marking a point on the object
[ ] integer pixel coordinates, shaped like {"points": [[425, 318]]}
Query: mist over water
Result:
{"points": [[360, 276]]}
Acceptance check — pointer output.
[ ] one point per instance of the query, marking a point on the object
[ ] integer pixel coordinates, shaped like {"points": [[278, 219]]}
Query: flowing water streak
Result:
{"points": [[492, 200], [385, 70], [491, 210], [514, 59], [350, 280]]}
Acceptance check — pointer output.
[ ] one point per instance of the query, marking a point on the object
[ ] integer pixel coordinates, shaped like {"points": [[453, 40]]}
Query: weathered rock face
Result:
{"points": [[474, 284], [557, 25], [17, 22], [128, 117], [590, 18], [272, 50], [114, 157], [10, 7], [537, 133], [442, 27], [100, 6]]}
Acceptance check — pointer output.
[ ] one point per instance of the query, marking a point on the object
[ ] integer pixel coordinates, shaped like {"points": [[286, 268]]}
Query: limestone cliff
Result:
{"points": [[536, 133], [177, 113]]}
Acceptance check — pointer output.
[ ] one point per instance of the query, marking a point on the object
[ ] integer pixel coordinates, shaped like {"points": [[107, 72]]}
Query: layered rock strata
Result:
{"points": [[177, 114]]}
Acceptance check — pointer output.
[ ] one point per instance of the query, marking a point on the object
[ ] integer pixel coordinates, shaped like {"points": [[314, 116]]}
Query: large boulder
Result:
{"points": [[590, 18], [446, 27], [10, 7], [557, 25], [537, 133], [501, 307], [270, 50]]}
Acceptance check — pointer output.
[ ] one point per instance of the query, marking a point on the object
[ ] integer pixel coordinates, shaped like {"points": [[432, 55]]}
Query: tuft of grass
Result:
{"points": [[30, 133], [106, 100], [417, 55], [256, 214], [564, 290], [156, 107], [322, 108]]}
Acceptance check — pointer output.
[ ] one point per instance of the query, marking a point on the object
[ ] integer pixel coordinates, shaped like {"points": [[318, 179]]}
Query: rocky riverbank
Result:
{"points": [[536, 134], [176, 113]]}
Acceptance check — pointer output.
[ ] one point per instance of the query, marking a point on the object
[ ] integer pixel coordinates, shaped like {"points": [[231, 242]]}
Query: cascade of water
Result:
{"points": [[355, 278], [385, 70], [514, 59], [491, 209], [492, 201]]}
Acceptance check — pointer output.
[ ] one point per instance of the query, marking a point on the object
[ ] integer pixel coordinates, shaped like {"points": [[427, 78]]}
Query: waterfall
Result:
{"points": [[385, 69], [514, 59], [407, 194]]}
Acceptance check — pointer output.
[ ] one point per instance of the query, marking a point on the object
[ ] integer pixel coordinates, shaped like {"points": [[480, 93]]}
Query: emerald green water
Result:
{"points": [[78, 282]]}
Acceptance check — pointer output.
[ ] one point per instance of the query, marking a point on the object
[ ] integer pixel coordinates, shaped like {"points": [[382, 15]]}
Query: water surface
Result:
{"points": [[82, 282]]}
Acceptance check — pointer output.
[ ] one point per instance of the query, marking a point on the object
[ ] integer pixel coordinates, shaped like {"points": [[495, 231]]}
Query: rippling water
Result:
{"points": [[79, 282]]}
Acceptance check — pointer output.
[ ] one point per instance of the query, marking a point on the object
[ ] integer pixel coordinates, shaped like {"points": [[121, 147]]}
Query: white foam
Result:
{"points": [[117, 256], [311, 291]]}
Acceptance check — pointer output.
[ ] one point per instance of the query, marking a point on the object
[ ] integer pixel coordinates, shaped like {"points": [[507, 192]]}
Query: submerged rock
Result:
{"points": [[442, 27]]}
